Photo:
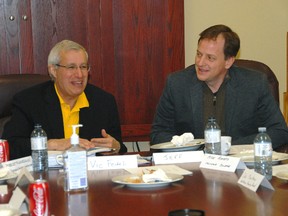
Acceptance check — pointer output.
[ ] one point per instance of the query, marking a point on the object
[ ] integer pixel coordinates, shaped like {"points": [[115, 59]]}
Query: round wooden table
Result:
{"points": [[215, 192]]}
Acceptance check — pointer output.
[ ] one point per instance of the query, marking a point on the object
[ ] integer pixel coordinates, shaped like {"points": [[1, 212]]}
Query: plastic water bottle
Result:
{"points": [[212, 136], [39, 149], [263, 153]]}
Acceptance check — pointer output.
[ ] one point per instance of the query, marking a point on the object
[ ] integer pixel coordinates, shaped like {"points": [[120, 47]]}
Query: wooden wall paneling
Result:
{"points": [[142, 56], [94, 34], [139, 52], [25, 38], [149, 44], [3, 39], [101, 43], [175, 55], [15, 37], [134, 30], [9, 37], [54, 21]]}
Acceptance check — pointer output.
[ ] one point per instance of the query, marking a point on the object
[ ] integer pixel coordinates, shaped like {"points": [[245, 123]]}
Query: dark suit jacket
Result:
{"points": [[40, 104], [249, 104]]}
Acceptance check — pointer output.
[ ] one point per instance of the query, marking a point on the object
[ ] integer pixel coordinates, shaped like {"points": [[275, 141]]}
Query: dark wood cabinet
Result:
{"points": [[132, 46]]}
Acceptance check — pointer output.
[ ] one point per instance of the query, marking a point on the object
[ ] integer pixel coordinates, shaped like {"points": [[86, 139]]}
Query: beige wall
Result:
{"points": [[260, 24]]}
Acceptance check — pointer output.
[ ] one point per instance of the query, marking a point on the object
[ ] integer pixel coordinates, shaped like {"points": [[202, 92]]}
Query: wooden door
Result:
{"points": [[15, 37], [132, 46], [30, 28], [54, 21]]}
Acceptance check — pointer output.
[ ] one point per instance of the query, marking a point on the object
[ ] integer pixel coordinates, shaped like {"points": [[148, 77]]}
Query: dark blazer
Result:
{"points": [[40, 104], [249, 104]]}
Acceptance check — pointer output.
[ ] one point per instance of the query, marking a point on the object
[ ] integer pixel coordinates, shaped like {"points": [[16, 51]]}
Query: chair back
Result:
{"points": [[11, 84], [261, 67]]}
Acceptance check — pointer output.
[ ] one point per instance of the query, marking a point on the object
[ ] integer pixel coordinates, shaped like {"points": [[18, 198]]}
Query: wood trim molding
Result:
{"points": [[136, 132], [285, 95]]}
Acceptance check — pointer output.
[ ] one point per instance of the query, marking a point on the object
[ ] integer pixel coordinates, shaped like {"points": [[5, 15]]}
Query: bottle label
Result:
{"points": [[263, 149], [77, 170], [38, 143], [212, 136]]}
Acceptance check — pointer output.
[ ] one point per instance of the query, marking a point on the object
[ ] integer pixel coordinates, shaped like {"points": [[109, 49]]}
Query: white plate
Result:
{"points": [[246, 154], [242, 149], [169, 146], [125, 180], [282, 175]]}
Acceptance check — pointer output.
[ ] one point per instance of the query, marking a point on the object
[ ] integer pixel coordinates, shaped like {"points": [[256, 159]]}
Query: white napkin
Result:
{"points": [[183, 139], [157, 176]]}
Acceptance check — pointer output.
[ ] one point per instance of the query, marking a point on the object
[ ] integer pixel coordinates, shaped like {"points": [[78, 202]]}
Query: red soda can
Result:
{"points": [[4, 150], [39, 198]]}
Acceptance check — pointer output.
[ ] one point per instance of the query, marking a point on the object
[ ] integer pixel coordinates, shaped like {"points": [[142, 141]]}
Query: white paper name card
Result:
{"points": [[222, 163], [24, 175], [178, 157], [17, 164], [112, 162], [15, 201], [17, 198], [251, 180]]}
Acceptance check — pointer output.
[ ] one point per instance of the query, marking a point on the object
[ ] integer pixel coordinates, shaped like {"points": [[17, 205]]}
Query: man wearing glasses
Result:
{"points": [[66, 100]]}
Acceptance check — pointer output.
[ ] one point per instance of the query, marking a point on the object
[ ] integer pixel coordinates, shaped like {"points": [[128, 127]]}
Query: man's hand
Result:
{"points": [[63, 144], [107, 141]]}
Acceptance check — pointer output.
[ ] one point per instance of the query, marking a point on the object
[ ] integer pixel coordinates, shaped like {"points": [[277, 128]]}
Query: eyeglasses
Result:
{"points": [[73, 68]]}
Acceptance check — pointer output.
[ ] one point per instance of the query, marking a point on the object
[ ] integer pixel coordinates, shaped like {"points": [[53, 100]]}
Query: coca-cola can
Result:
{"points": [[39, 198], [4, 150]]}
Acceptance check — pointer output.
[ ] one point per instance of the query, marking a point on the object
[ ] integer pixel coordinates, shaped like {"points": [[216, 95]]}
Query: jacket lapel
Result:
{"points": [[196, 95], [231, 100], [53, 111]]}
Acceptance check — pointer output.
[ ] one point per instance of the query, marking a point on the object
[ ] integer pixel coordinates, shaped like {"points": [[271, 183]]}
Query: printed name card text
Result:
{"points": [[112, 162], [251, 180], [178, 157], [219, 162]]}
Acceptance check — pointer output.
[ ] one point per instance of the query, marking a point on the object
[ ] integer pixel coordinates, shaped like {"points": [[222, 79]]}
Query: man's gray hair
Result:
{"points": [[65, 45]]}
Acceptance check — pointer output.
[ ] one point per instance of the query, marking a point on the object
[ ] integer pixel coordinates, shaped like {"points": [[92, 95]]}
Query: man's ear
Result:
{"points": [[229, 62], [52, 71]]}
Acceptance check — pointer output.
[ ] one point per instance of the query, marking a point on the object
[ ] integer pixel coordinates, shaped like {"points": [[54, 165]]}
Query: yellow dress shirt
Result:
{"points": [[71, 116]]}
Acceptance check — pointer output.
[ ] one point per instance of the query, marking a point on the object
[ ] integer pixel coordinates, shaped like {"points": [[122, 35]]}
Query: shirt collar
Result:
{"points": [[81, 102]]}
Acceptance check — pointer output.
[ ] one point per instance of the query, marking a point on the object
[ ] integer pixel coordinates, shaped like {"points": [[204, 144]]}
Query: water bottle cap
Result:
{"points": [[262, 129]]}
